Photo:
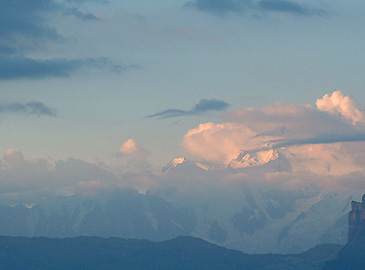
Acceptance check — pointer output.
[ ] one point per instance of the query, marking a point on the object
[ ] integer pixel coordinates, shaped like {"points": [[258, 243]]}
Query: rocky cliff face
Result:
{"points": [[356, 220], [352, 256]]}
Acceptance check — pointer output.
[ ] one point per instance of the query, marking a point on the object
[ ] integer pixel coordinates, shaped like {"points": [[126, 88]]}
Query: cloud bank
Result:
{"points": [[295, 129], [204, 105], [278, 144]]}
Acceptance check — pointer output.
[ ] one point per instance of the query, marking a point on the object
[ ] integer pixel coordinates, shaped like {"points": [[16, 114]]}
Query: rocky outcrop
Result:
{"points": [[356, 220], [352, 256]]}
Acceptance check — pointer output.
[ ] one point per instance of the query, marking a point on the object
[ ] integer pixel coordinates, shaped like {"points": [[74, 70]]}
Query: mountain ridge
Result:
{"points": [[182, 253]]}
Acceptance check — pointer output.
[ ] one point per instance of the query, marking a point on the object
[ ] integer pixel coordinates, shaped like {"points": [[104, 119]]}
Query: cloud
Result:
{"points": [[353, 180], [292, 121], [209, 105], [14, 157], [221, 7], [287, 7], [130, 147], [204, 105], [13, 67], [218, 143], [72, 175], [343, 106], [25, 24], [23, 21], [25, 27], [20, 176], [80, 15], [134, 152], [336, 119], [31, 108], [26, 68], [323, 139]]}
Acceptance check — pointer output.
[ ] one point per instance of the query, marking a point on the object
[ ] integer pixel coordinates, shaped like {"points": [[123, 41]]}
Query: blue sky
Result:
{"points": [[80, 78]]}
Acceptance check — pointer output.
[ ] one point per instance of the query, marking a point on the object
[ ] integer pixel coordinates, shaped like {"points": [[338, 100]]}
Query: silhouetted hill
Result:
{"points": [[351, 257], [182, 253]]}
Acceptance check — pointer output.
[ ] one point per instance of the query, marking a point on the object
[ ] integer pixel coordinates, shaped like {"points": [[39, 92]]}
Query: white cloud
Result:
{"points": [[342, 105]]}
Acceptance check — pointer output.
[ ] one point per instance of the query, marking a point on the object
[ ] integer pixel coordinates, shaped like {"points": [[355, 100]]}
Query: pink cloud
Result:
{"points": [[133, 151], [218, 142], [316, 139]]}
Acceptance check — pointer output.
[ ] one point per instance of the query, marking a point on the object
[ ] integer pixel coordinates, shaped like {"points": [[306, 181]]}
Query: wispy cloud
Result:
{"points": [[285, 6], [12, 67], [322, 139], [204, 105], [85, 16], [26, 68], [31, 108], [25, 26], [25, 20], [221, 7]]}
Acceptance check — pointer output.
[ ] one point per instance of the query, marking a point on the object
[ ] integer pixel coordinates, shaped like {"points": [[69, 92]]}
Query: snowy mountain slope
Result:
{"points": [[123, 213], [262, 204], [239, 208]]}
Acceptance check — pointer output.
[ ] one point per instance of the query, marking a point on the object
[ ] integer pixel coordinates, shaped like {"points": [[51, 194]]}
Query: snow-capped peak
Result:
{"points": [[177, 161], [173, 164], [246, 159]]}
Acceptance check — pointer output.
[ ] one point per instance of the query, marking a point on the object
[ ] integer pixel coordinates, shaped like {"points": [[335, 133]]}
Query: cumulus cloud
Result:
{"points": [[31, 108], [336, 119], [219, 142], [134, 152], [204, 105], [221, 7], [342, 105]]}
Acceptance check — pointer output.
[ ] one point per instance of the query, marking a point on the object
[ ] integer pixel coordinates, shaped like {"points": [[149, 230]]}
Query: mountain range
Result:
{"points": [[252, 205]]}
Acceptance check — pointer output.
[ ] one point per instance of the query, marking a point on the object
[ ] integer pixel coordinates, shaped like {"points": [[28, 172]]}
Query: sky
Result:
{"points": [[131, 85]]}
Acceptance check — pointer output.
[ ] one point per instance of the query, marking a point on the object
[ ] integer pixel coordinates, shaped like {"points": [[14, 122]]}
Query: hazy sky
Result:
{"points": [[126, 81]]}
